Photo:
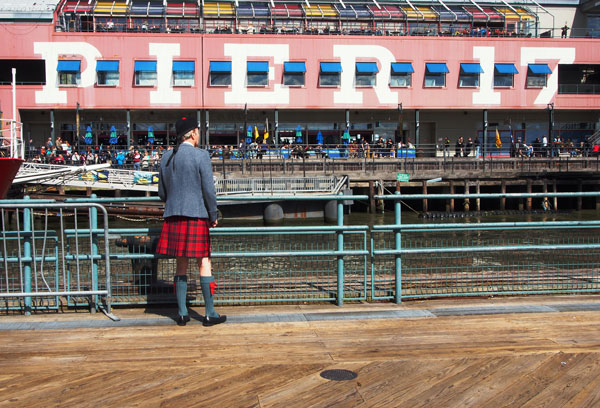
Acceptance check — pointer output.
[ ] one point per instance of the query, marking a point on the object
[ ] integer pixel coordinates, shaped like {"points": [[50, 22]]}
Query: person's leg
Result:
{"points": [[181, 284], [207, 283]]}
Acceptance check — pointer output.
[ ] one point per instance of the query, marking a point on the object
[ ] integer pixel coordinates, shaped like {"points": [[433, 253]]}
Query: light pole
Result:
{"points": [[550, 108]]}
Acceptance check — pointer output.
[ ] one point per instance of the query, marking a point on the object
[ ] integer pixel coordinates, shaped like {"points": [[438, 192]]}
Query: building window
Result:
{"points": [[220, 73], [504, 75], [293, 73], [145, 73], [107, 73], [183, 73], [258, 73], [537, 75], [435, 75], [69, 73], [366, 74], [469, 75], [401, 74], [330, 74]]}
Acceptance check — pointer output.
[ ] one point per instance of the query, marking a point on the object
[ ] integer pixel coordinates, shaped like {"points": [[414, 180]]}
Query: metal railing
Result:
{"points": [[434, 260], [44, 259], [294, 263], [252, 264], [281, 185]]}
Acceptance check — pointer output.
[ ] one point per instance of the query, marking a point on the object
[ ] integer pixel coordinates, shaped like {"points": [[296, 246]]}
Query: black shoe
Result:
{"points": [[182, 320], [211, 321]]}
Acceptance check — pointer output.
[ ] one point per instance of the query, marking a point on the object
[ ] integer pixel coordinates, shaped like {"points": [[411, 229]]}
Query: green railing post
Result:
{"points": [[94, 247], [340, 258], [398, 242], [27, 228]]}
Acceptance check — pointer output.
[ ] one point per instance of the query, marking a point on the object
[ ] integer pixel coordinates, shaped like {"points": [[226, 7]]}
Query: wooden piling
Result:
{"points": [[503, 199], [425, 203], [451, 201], [478, 191], [555, 199], [528, 202], [372, 208], [466, 203], [545, 202], [579, 199]]}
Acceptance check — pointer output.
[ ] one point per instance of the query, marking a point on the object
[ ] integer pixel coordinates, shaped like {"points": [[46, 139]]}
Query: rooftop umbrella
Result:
{"points": [[249, 135], [88, 136], [320, 137], [346, 136], [150, 134], [298, 134], [113, 136]]}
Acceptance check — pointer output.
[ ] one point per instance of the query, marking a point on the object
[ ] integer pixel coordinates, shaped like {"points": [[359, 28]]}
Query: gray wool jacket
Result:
{"points": [[186, 185]]}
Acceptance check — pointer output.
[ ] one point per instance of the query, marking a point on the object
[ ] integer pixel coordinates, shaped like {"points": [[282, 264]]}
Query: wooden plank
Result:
{"points": [[514, 359]]}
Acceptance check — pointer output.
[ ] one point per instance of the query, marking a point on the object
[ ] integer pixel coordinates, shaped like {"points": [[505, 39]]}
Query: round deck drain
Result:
{"points": [[338, 375]]}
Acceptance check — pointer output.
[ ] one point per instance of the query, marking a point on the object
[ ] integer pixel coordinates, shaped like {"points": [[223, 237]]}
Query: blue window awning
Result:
{"points": [[471, 68], [64, 65], [294, 67], [106, 66], [367, 68], [184, 66], [506, 68], [436, 68], [258, 66], [331, 67], [540, 69], [402, 68], [145, 66], [220, 66]]}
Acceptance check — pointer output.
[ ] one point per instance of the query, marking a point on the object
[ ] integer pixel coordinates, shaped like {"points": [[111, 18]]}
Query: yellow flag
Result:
{"points": [[498, 141], [255, 133], [266, 135]]}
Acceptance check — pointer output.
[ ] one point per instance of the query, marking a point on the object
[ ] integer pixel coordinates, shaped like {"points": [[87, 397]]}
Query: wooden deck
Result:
{"points": [[517, 360]]}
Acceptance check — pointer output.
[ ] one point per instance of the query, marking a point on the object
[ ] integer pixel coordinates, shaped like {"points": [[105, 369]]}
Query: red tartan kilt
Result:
{"points": [[184, 237]]}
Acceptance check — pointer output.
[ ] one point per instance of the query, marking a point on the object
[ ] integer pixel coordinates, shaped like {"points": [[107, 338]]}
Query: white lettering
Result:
{"points": [[239, 93], [486, 95], [50, 51], [529, 55], [164, 93], [348, 93]]}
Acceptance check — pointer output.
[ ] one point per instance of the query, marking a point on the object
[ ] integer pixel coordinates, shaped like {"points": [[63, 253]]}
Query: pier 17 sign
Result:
{"points": [[347, 54]]}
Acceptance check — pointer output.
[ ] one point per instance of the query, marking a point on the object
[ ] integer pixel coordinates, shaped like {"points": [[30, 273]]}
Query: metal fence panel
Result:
{"points": [[44, 265]]}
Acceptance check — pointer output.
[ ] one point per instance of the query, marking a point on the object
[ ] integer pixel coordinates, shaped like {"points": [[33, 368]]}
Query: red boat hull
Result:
{"points": [[8, 170]]}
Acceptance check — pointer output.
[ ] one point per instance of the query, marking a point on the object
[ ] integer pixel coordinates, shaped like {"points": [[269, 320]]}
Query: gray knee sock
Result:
{"points": [[181, 290], [208, 298]]}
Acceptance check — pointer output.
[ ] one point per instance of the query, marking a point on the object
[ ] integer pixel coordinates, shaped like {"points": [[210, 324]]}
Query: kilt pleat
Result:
{"points": [[184, 237]]}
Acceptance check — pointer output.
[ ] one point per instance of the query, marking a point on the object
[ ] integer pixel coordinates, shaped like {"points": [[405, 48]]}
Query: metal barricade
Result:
{"points": [[492, 258], [251, 264], [49, 257]]}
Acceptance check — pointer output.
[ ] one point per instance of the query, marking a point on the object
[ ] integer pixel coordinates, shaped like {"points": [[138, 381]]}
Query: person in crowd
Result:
{"points": [[137, 160], [468, 147], [477, 144], [187, 188], [459, 147]]}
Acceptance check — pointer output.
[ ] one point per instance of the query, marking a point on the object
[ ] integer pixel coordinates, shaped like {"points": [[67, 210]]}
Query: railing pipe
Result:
{"points": [[398, 245], [27, 228], [340, 258]]}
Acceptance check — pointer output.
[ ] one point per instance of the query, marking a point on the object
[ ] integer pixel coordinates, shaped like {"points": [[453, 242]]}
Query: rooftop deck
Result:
{"points": [[461, 352]]}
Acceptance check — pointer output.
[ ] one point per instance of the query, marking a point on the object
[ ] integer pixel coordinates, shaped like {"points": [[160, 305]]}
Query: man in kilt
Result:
{"points": [[187, 187]]}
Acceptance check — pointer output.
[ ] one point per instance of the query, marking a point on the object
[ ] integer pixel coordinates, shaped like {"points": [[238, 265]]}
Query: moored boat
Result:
{"points": [[9, 166]]}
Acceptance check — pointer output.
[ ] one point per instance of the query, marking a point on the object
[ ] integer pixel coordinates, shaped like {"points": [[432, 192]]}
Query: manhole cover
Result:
{"points": [[339, 375]]}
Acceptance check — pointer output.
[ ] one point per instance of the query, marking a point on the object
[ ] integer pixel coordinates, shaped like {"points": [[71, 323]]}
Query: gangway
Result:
{"points": [[102, 176]]}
